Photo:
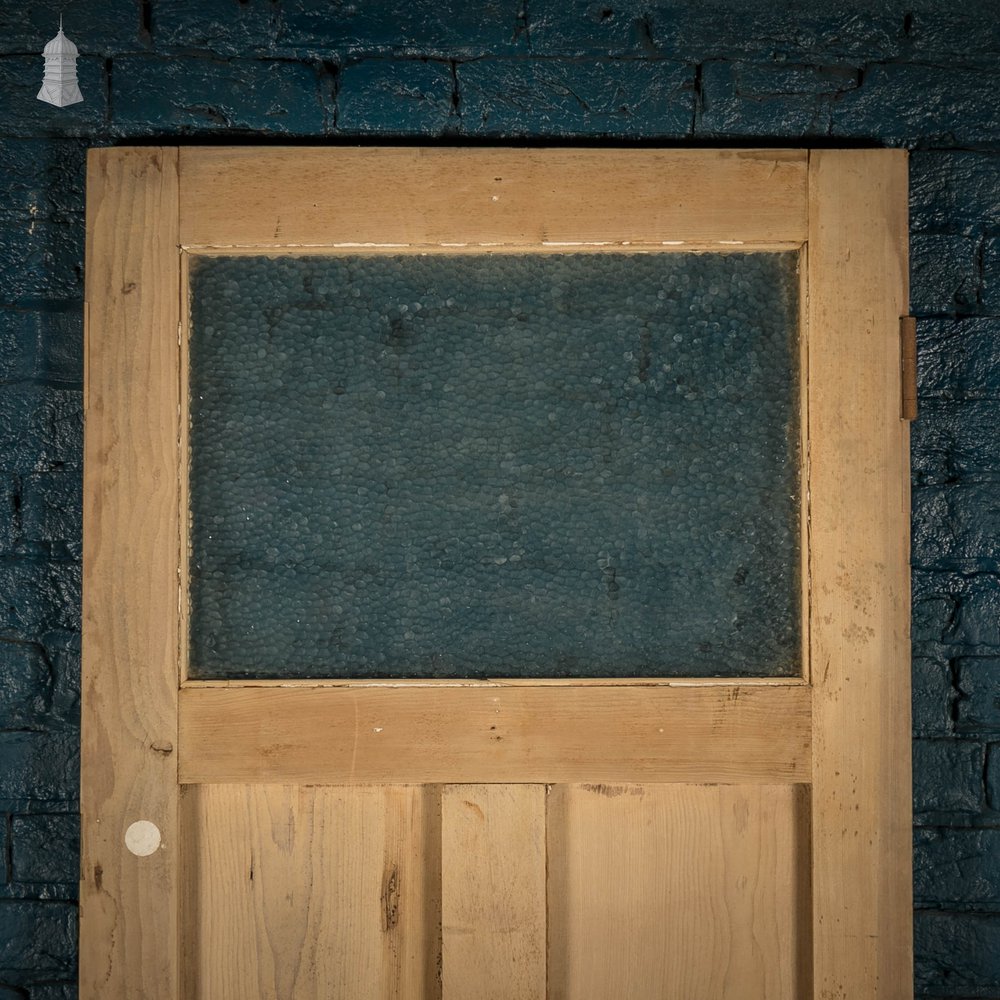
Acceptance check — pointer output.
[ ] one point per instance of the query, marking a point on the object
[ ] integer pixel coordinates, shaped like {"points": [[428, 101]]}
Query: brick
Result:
{"points": [[108, 26], [959, 613], [978, 620], [45, 847], [152, 94], [10, 513], [901, 103], [936, 599], [40, 938], [38, 596], [714, 30], [748, 99], [956, 610], [25, 115], [993, 776], [933, 696], [42, 178], [51, 514], [501, 97], [955, 439], [39, 767], [955, 614], [944, 274], [25, 684], [41, 428], [592, 28], [978, 707], [63, 650], [44, 344], [957, 954], [957, 359], [54, 991], [402, 27], [956, 868], [222, 27], [947, 778], [966, 31], [991, 276], [41, 260], [954, 192], [397, 97], [955, 527]]}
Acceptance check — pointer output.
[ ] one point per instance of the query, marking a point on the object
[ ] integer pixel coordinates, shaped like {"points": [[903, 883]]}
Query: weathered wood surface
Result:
{"points": [[311, 893], [131, 536], [860, 593], [493, 892], [678, 891], [495, 197], [495, 734]]}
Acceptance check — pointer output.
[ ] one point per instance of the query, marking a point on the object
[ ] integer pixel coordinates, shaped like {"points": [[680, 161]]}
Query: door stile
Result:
{"points": [[859, 487], [128, 887]]}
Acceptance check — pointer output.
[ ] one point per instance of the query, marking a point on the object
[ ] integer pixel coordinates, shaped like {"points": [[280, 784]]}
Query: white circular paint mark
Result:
{"points": [[142, 838]]}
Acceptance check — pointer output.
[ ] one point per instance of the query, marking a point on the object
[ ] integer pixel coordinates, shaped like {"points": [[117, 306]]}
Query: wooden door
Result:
{"points": [[467, 835]]}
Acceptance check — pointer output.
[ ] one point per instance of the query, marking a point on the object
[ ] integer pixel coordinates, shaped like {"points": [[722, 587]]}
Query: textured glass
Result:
{"points": [[505, 465]]}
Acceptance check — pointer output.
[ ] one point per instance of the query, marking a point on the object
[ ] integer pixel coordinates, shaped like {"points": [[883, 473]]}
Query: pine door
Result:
{"points": [[496, 575]]}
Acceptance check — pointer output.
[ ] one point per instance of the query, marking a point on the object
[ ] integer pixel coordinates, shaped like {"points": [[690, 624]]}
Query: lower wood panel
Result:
{"points": [[496, 892], [310, 893], [493, 892], [678, 892]]}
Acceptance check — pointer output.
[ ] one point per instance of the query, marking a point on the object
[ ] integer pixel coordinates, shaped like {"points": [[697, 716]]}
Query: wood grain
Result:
{"points": [[492, 734], [654, 890], [128, 904], [513, 197], [673, 892], [860, 576], [493, 892], [311, 893]]}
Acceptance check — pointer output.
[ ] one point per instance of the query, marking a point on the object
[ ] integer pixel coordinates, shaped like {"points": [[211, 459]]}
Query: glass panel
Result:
{"points": [[505, 465]]}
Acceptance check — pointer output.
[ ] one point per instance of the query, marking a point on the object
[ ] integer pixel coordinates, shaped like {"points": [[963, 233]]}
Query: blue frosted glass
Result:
{"points": [[504, 465]]}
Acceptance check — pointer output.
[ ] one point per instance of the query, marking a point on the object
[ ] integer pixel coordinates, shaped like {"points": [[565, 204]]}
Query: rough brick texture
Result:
{"points": [[184, 95], [45, 849], [921, 74], [585, 97], [957, 869], [397, 97], [951, 783], [944, 273], [977, 709], [956, 954], [956, 357], [39, 940], [953, 192]]}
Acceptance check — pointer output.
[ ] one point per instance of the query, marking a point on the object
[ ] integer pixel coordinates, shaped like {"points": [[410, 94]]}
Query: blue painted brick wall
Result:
{"points": [[922, 74]]}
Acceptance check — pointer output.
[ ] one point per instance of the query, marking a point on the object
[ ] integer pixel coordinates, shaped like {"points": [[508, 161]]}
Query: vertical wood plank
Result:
{"points": [[859, 489], [128, 904], [493, 892], [310, 893], [671, 892]]}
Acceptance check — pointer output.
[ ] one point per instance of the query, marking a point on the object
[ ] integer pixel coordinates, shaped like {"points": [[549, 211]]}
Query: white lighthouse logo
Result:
{"points": [[59, 85]]}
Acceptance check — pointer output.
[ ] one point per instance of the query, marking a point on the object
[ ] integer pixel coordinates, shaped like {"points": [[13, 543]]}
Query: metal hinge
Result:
{"points": [[908, 366]]}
